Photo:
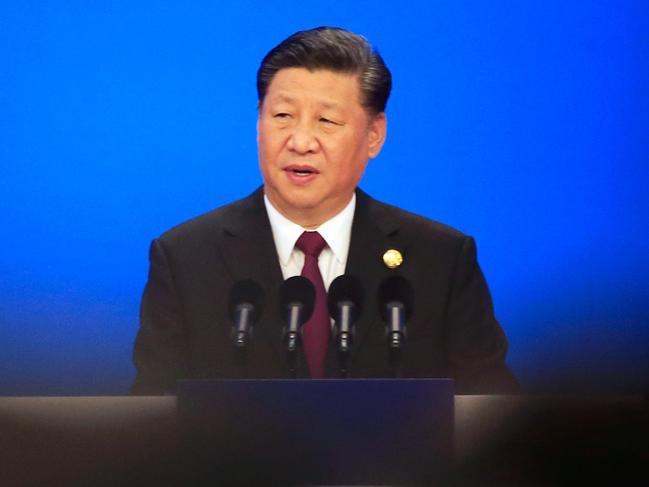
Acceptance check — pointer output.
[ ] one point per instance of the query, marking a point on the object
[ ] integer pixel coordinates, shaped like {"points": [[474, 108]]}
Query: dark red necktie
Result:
{"points": [[317, 329]]}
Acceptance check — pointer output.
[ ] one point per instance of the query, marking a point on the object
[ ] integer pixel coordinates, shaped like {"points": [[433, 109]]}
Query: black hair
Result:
{"points": [[334, 49]]}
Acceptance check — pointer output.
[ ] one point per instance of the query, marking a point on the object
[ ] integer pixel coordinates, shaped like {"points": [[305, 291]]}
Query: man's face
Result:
{"points": [[314, 140]]}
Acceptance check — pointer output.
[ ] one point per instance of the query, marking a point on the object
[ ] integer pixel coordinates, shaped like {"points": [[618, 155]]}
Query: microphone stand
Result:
{"points": [[396, 362], [343, 360], [242, 334], [241, 361], [396, 336], [291, 360], [344, 338], [292, 338]]}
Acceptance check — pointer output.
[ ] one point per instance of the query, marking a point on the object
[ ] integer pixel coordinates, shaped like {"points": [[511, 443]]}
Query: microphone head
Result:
{"points": [[246, 291], [395, 289], [297, 289], [346, 288]]}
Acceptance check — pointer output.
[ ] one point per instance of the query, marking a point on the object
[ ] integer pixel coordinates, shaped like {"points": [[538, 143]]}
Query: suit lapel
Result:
{"points": [[373, 232], [248, 250], [247, 244]]}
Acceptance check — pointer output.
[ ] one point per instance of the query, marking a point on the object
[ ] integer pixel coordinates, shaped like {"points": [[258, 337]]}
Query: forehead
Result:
{"points": [[323, 86]]}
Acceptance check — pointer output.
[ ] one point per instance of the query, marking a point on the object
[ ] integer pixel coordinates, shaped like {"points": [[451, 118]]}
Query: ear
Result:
{"points": [[258, 120], [260, 107], [376, 134]]}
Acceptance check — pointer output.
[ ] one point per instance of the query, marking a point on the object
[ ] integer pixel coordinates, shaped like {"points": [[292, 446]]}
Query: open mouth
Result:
{"points": [[301, 170]]}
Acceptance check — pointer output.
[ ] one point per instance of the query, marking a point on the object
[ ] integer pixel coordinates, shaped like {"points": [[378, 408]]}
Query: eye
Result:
{"points": [[282, 115], [327, 121]]}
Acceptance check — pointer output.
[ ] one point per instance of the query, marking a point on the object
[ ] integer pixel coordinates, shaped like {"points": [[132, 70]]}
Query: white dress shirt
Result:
{"points": [[336, 231]]}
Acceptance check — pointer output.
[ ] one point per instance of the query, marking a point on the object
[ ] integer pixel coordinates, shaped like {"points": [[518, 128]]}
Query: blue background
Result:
{"points": [[524, 124]]}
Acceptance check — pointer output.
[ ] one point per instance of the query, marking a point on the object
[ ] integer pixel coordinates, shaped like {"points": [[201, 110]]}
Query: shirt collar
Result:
{"points": [[336, 231]]}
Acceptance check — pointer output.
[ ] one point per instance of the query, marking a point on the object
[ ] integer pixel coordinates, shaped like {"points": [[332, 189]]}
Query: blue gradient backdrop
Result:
{"points": [[524, 124]]}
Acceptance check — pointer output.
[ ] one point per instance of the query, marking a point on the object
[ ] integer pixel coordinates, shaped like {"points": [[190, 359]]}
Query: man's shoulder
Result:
{"points": [[212, 223], [416, 224]]}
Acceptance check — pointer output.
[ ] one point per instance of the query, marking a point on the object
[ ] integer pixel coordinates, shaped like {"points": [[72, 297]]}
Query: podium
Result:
{"points": [[322, 432], [498, 440]]}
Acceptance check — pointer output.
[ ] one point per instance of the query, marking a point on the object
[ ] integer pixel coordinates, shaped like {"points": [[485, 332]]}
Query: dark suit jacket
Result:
{"points": [[185, 332]]}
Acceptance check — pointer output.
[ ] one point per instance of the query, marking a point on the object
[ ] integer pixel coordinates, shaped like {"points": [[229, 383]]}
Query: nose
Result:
{"points": [[303, 140]]}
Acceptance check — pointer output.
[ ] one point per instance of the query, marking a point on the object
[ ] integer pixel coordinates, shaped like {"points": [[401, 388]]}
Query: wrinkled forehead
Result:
{"points": [[328, 88]]}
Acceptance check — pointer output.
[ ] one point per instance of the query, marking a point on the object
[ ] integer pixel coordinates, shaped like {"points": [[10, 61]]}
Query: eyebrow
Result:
{"points": [[281, 97]]}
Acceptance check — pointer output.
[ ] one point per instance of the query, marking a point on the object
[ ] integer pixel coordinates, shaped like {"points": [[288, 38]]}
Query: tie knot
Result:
{"points": [[311, 243]]}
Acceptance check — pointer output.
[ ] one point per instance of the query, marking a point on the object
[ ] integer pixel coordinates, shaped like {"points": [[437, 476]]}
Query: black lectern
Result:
{"points": [[290, 432]]}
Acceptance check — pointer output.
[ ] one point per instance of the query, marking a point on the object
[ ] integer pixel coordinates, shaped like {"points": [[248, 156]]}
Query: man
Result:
{"points": [[322, 98]]}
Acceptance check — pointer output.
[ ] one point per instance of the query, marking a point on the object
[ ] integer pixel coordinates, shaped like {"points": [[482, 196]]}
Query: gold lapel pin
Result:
{"points": [[392, 259]]}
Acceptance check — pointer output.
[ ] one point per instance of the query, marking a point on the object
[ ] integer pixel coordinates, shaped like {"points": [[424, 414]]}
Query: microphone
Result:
{"points": [[395, 308], [344, 299], [245, 305], [296, 302]]}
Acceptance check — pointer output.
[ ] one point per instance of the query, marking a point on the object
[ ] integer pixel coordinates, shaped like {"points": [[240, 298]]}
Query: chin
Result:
{"points": [[300, 197], [302, 204]]}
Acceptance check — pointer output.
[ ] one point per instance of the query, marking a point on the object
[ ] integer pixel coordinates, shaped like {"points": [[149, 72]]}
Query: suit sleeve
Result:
{"points": [[477, 345], [160, 351]]}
